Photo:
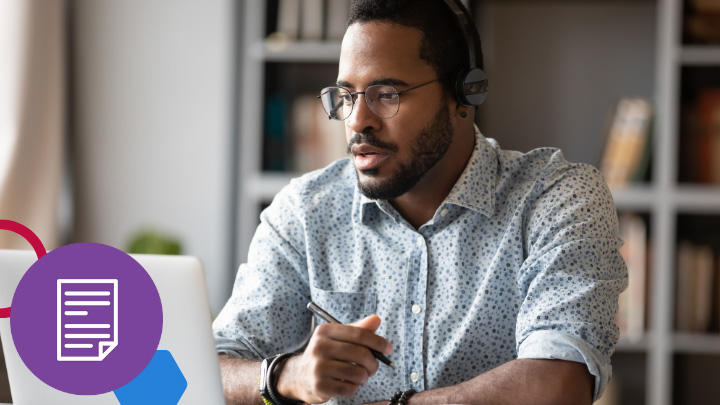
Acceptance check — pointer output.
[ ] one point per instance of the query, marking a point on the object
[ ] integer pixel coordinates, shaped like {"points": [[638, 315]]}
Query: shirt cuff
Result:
{"points": [[544, 344], [233, 348]]}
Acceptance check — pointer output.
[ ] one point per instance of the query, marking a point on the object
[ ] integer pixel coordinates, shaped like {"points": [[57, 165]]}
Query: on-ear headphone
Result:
{"points": [[470, 82]]}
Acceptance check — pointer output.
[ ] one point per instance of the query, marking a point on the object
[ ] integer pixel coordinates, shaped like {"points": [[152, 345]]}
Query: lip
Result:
{"points": [[368, 157]]}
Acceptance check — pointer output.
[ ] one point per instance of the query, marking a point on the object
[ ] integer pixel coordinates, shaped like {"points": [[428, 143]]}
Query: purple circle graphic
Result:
{"points": [[86, 318]]}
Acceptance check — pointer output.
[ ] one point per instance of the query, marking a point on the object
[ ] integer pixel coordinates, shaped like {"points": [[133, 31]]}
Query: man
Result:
{"points": [[487, 276]]}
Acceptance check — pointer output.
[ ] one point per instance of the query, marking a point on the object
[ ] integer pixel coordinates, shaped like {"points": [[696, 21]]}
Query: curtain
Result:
{"points": [[32, 117]]}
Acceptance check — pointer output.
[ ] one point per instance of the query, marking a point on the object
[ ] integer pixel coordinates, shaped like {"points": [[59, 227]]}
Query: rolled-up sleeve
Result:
{"points": [[573, 273], [266, 312]]}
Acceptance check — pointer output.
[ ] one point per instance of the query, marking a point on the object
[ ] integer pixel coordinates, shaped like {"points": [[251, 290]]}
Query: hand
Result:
{"points": [[336, 362]]}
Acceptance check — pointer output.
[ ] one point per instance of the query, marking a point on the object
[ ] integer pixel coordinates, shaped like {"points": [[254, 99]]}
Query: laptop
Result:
{"points": [[187, 332]]}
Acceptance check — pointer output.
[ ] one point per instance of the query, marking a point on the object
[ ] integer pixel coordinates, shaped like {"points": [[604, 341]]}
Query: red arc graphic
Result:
{"points": [[25, 232]]}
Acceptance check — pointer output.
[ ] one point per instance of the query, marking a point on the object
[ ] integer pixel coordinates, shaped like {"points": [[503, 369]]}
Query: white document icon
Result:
{"points": [[87, 319]]}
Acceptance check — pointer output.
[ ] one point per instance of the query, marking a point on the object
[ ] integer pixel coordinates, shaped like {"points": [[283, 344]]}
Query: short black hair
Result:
{"points": [[443, 45]]}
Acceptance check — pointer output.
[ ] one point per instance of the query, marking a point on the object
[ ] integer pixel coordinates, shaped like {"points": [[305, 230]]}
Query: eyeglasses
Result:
{"points": [[382, 100]]}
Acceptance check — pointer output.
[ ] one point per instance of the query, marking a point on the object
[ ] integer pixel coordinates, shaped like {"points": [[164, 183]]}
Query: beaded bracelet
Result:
{"points": [[406, 396], [401, 398], [395, 398]]}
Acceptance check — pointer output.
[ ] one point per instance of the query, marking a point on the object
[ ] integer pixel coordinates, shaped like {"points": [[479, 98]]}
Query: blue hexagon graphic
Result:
{"points": [[160, 383]]}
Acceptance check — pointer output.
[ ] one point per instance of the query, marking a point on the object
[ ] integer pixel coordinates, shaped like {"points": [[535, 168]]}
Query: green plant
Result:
{"points": [[154, 242]]}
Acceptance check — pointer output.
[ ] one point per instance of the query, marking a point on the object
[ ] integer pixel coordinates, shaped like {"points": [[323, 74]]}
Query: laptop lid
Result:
{"points": [[187, 331]]}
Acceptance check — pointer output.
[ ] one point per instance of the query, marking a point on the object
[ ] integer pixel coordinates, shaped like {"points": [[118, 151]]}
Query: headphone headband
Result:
{"points": [[470, 82], [465, 28]]}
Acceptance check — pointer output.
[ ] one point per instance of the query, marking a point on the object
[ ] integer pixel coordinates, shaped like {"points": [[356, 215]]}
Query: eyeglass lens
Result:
{"points": [[383, 101]]}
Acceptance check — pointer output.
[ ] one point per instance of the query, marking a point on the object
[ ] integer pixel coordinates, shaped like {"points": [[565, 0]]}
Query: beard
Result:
{"points": [[430, 146]]}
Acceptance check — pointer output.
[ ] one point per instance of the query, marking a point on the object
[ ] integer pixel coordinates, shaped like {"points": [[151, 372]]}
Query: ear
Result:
{"points": [[463, 113]]}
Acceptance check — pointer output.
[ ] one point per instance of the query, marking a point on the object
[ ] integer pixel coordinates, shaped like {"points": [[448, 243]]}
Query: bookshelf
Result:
{"points": [[677, 354], [258, 186], [651, 368], [263, 55]]}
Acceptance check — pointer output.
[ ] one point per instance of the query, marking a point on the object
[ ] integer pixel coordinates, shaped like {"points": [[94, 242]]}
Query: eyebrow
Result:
{"points": [[387, 81]]}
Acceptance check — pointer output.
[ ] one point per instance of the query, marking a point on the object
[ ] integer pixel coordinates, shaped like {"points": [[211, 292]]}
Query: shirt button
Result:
{"points": [[414, 377], [444, 211], [416, 309], [420, 241]]}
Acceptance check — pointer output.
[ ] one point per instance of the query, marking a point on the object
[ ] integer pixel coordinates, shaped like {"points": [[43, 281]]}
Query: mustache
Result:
{"points": [[370, 139]]}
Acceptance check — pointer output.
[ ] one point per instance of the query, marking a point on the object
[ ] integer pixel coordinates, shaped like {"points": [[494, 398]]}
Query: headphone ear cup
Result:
{"points": [[471, 87]]}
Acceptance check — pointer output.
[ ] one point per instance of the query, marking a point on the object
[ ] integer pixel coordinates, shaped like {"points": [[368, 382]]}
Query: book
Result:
{"points": [[694, 299], [311, 20], [716, 294], [275, 133], [701, 23], [626, 142], [689, 148], [642, 172], [708, 110], [288, 26], [631, 309], [338, 12], [702, 290], [703, 28], [683, 297], [706, 6], [316, 140]]}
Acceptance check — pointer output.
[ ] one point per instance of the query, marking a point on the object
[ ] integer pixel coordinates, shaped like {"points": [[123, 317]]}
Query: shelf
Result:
{"points": [[635, 197], [687, 198], [288, 51], [696, 343], [700, 55], [687, 343], [697, 199]]}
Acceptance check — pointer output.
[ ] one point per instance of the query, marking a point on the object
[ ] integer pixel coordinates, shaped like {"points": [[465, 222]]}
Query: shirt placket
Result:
{"points": [[415, 313]]}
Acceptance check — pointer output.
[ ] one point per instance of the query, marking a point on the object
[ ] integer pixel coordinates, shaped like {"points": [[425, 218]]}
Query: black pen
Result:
{"points": [[329, 318]]}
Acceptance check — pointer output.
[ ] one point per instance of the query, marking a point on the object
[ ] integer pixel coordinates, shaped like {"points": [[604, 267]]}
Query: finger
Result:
{"points": [[355, 335], [352, 353], [370, 323], [347, 372], [327, 349], [336, 388]]}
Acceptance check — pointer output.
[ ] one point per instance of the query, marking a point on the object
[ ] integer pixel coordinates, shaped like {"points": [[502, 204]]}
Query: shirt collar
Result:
{"points": [[474, 189]]}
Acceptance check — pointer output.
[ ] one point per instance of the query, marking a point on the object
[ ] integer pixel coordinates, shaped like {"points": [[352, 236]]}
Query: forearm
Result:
{"points": [[522, 381], [240, 380]]}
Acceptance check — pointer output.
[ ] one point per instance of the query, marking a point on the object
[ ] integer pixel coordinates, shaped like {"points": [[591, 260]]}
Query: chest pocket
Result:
{"points": [[346, 307]]}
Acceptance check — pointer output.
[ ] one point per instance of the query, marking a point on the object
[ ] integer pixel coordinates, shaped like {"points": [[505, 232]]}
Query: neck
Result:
{"points": [[419, 204]]}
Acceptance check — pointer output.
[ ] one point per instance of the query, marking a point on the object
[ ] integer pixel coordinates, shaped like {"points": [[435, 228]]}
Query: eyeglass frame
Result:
{"points": [[356, 93]]}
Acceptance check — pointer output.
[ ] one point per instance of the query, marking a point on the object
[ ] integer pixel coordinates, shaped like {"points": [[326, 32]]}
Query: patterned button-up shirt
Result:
{"points": [[520, 261]]}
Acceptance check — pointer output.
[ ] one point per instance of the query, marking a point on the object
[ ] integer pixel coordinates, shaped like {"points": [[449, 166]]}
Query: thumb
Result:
{"points": [[370, 323]]}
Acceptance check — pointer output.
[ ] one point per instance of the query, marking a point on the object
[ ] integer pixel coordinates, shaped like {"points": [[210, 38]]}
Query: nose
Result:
{"points": [[362, 119]]}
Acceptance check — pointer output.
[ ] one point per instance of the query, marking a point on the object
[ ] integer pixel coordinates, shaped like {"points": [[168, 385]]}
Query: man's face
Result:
{"points": [[392, 155]]}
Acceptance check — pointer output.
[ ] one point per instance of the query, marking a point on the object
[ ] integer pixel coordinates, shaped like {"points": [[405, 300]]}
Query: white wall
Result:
{"points": [[151, 102]]}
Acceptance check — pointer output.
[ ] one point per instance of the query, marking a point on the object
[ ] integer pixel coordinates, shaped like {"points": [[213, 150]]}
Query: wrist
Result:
{"points": [[270, 370], [286, 384], [402, 397]]}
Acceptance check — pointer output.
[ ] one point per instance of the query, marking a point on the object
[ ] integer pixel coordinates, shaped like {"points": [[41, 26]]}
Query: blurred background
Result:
{"points": [[165, 126]]}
